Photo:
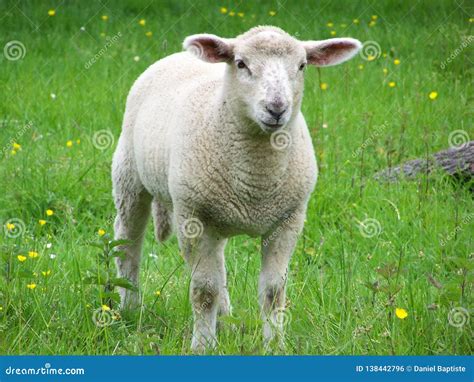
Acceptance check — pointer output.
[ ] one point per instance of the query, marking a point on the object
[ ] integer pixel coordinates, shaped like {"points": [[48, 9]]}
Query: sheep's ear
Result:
{"points": [[332, 51], [210, 48]]}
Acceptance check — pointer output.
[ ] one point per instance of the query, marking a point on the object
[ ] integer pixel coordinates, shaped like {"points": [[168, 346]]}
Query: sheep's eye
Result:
{"points": [[302, 66], [241, 64]]}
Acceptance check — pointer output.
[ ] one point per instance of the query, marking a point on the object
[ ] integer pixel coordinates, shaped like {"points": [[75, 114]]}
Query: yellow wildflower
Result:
{"points": [[21, 258], [101, 232], [323, 86], [78, 141], [10, 226], [223, 10], [333, 33], [104, 17], [370, 57], [330, 24], [149, 34], [46, 273], [372, 23], [31, 286], [51, 12], [241, 14], [142, 22], [385, 71], [433, 95], [374, 17], [33, 254], [272, 13], [392, 84], [49, 212], [401, 313], [42, 222], [157, 293], [355, 21], [231, 13], [396, 61], [361, 66], [105, 308], [69, 143], [16, 146]]}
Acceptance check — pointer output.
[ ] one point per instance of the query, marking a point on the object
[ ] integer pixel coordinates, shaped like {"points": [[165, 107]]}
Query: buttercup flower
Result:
{"points": [[31, 286], [272, 13], [69, 143], [396, 61], [104, 17], [33, 254], [105, 308], [51, 12], [355, 21], [433, 95], [392, 84], [21, 258], [46, 273], [101, 232], [333, 33], [330, 24], [372, 23], [323, 86], [16, 146], [10, 226], [231, 13], [374, 17], [401, 313], [42, 222], [157, 293], [241, 14], [149, 34], [385, 71], [49, 212], [142, 22], [223, 10]]}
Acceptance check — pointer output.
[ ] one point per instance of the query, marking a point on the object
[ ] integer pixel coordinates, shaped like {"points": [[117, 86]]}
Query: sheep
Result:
{"points": [[214, 145]]}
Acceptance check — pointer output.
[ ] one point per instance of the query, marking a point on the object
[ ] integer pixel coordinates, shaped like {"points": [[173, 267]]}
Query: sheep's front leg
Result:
{"points": [[204, 256], [277, 248]]}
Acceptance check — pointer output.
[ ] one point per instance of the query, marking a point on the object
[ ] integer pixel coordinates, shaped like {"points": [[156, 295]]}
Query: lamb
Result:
{"points": [[214, 145]]}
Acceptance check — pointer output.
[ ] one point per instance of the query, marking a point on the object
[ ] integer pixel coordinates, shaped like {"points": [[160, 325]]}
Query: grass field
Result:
{"points": [[368, 248]]}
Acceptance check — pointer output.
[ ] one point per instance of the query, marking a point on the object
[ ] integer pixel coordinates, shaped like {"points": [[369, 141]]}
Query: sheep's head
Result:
{"points": [[265, 69]]}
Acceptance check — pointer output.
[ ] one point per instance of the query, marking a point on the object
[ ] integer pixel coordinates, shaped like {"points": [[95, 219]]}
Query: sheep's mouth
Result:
{"points": [[272, 125]]}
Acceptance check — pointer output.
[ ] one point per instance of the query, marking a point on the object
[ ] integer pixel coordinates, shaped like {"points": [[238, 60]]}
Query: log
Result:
{"points": [[457, 162]]}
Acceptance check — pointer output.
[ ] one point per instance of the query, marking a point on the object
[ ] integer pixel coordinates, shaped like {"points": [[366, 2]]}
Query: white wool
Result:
{"points": [[200, 143]]}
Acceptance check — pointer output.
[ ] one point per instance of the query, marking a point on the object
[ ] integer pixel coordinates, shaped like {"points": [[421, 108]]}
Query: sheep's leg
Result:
{"points": [[225, 308], [132, 202], [204, 256], [277, 248]]}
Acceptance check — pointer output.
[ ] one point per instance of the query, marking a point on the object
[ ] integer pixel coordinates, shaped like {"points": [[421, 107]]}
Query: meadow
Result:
{"points": [[381, 268]]}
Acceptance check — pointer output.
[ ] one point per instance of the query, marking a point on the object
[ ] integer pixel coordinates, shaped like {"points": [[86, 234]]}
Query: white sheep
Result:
{"points": [[215, 144]]}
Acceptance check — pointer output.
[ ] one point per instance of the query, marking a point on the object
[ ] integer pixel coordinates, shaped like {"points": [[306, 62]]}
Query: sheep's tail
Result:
{"points": [[162, 220]]}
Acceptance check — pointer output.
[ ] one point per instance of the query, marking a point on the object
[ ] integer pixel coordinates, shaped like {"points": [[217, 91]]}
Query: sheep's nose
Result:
{"points": [[276, 111]]}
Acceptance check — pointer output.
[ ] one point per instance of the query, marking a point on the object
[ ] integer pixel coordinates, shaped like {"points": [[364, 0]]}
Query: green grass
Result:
{"points": [[332, 307]]}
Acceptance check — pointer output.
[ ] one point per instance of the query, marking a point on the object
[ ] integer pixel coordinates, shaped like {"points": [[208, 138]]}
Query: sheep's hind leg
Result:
{"points": [[203, 253], [132, 202]]}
